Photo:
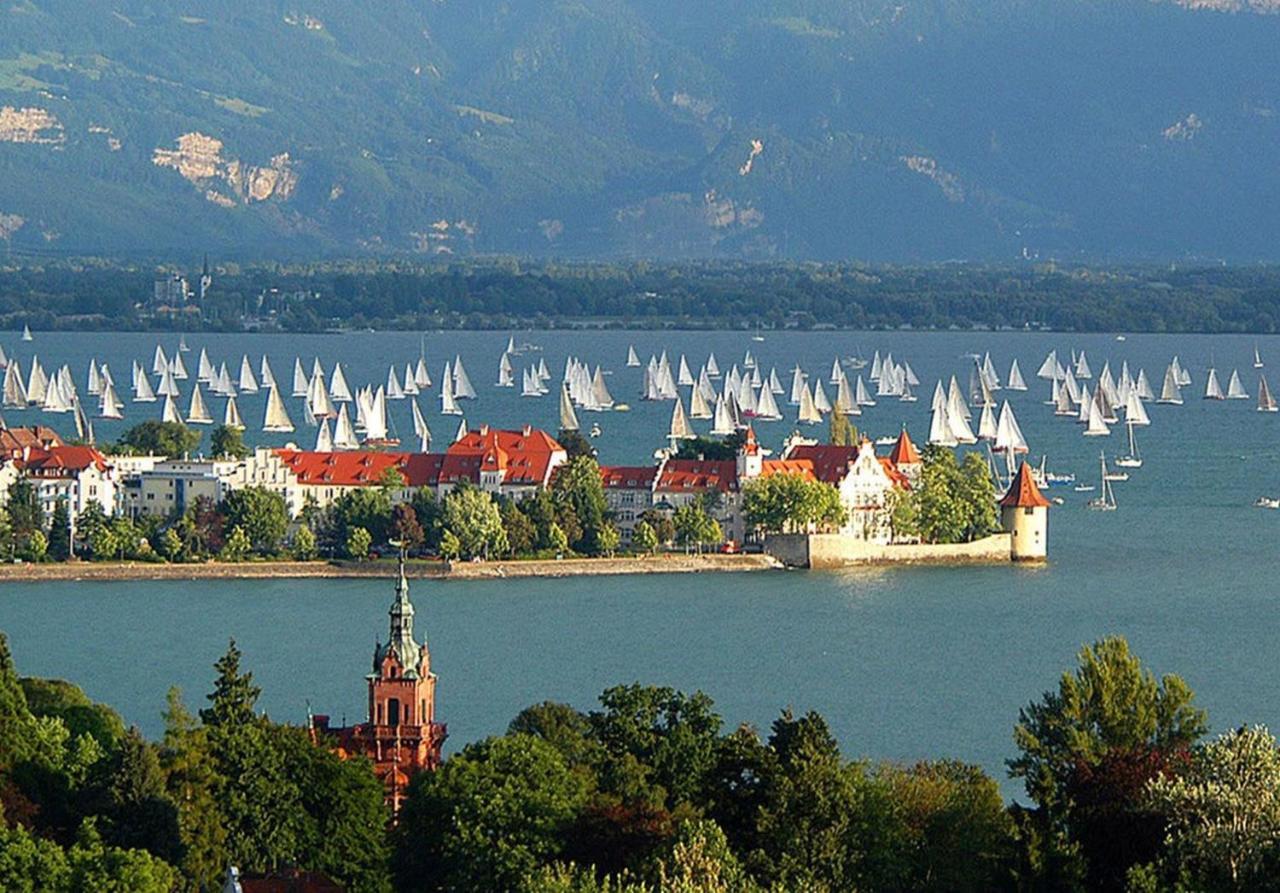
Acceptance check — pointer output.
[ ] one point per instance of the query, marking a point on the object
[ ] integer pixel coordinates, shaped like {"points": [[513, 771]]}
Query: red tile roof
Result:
{"points": [[523, 457], [13, 440], [830, 462], [899, 479], [62, 461], [1023, 492], [802, 467], [904, 452], [360, 468], [698, 475], [628, 477]]}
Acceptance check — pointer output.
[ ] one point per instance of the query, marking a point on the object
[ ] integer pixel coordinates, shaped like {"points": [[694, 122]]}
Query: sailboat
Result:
{"points": [[680, 427], [231, 415], [808, 411], [198, 412], [1171, 393], [420, 429], [248, 384], [344, 435], [1235, 390], [1257, 358], [462, 389], [632, 360], [1106, 500], [277, 418], [568, 417], [1015, 382], [299, 379], [506, 375], [324, 438], [448, 405], [1097, 425], [170, 411], [1134, 458], [109, 405], [1266, 403], [1212, 389], [26, 333]]}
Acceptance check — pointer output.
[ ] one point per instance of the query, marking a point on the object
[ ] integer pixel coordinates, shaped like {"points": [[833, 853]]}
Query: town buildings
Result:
{"points": [[400, 735]]}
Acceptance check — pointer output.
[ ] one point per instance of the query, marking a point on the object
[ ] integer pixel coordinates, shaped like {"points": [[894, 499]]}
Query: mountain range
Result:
{"points": [[894, 130]]}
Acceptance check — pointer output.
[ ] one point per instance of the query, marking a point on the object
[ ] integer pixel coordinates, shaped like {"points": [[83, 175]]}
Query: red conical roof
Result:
{"points": [[1023, 491], [904, 452]]}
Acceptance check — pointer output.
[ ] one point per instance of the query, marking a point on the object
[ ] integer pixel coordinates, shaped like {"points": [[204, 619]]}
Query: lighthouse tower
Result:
{"points": [[1024, 513]]}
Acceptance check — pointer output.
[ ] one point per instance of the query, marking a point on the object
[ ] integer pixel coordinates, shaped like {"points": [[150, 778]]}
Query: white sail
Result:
{"points": [[713, 370], [820, 401], [808, 412], [393, 391], [420, 375], [204, 368], [861, 395], [170, 411], [26, 333], [1135, 413], [160, 362], [1212, 389], [987, 424], [231, 415], [300, 381], [266, 378], [1235, 389], [339, 389], [1171, 393], [684, 377], [375, 417], [94, 383], [448, 405], [277, 418], [798, 388], [766, 405], [939, 429], [15, 392], [529, 384], [247, 383], [632, 359], [462, 388], [142, 387], [109, 405], [600, 392], [724, 423], [568, 418], [1049, 368], [1009, 436], [699, 408], [1143, 386], [1097, 426], [410, 387], [680, 427], [959, 425], [197, 411], [845, 402], [1082, 367], [1015, 382], [344, 436], [877, 366], [324, 439], [1266, 402], [37, 383], [506, 379], [178, 368]]}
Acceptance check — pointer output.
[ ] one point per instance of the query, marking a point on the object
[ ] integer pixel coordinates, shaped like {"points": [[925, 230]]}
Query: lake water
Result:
{"points": [[905, 663]]}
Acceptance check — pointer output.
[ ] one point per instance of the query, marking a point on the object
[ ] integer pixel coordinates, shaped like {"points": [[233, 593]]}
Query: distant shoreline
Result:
{"points": [[428, 570]]}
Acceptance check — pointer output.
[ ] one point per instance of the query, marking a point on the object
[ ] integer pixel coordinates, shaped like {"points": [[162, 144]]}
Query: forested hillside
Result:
{"points": [[824, 129]]}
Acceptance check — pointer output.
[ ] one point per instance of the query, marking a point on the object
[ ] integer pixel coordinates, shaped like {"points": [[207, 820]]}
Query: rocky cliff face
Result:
{"points": [[875, 129]]}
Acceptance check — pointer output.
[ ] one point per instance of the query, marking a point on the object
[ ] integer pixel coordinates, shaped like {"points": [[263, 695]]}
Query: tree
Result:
{"points": [[139, 812], [941, 515], [790, 503], [426, 508], [171, 545], [607, 539], [1224, 810], [575, 444], [978, 496], [489, 817], [450, 547], [365, 507], [951, 828], [304, 544], [472, 517], [671, 733], [694, 528], [237, 546], [662, 525], [25, 515], [228, 442], [522, 536], [260, 514], [37, 547], [154, 438], [192, 780], [578, 484], [405, 528], [710, 448], [841, 431], [1110, 703], [203, 528], [358, 544], [557, 540], [643, 538], [60, 532]]}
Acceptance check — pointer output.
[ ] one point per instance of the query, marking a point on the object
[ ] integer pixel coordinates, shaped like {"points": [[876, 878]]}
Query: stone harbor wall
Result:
{"points": [[832, 550]]}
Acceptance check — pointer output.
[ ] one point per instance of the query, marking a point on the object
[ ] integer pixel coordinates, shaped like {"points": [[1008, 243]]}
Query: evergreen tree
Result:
{"points": [[141, 815], [192, 781], [60, 532]]}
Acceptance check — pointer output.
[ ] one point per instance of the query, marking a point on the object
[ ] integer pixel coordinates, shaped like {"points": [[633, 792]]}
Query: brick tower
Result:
{"points": [[401, 736]]}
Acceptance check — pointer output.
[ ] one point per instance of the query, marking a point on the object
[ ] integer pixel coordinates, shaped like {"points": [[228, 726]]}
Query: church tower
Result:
{"points": [[400, 736]]}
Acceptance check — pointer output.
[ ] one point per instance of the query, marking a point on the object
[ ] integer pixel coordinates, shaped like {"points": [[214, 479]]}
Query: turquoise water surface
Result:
{"points": [[905, 663]]}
